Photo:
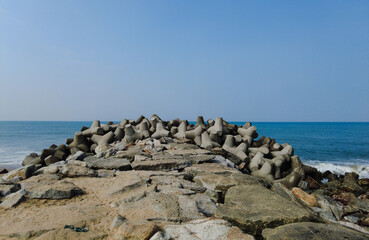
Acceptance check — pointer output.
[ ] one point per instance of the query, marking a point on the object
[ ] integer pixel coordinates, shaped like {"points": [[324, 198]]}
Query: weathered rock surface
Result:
{"points": [[309, 230], [165, 164], [121, 164], [13, 199], [204, 229], [254, 207], [52, 190], [23, 172]]}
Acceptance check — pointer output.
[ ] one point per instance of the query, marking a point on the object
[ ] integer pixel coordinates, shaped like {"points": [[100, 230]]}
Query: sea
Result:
{"points": [[336, 146]]}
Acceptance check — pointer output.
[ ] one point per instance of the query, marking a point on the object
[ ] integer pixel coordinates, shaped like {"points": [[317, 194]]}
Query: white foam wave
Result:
{"points": [[341, 168]]}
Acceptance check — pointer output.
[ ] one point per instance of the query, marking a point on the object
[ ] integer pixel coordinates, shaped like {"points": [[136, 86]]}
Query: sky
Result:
{"points": [[241, 60]]}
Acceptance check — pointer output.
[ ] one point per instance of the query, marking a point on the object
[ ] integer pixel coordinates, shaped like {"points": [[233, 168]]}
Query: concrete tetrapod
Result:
{"points": [[256, 161], [297, 174], [119, 133], [130, 134], [160, 131], [79, 142], [237, 151], [247, 134], [93, 130], [144, 129], [102, 140], [200, 122], [181, 131], [218, 127], [287, 149], [195, 132]]}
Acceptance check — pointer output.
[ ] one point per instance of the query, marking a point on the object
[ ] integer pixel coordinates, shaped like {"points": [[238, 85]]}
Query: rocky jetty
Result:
{"points": [[160, 180]]}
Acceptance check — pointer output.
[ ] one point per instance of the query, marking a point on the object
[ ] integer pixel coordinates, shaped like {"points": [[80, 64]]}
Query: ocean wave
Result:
{"points": [[340, 168]]}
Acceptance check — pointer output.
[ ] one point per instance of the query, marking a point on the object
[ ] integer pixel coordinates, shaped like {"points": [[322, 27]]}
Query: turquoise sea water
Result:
{"points": [[338, 147]]}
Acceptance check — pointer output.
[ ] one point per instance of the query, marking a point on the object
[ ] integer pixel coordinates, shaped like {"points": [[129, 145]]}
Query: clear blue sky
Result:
{"points": [[243, 60]]}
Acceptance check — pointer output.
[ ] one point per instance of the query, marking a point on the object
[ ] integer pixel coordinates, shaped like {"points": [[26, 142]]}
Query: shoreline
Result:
{"points": [[150, 179]]}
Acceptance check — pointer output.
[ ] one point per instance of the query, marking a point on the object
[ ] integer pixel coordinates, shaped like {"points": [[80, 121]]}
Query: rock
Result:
{"points": [[204, 204], [329, 204], [185, 152], [6, 189], [364, 182], [52, 190], [326, 215], [221, 182], [142, 230], [67, 234], [47, 170], [32, 158], [210, 168], [45, 153], [108, 163], [162, 207], [50, 160], [117, 221], [305, 197], [254, 207], [166, 165], [13, 199], [23, 172], [3, 170], [77, 156], [350, 183], [309, 230], [160, 236], [70, 170], [204, 229]]}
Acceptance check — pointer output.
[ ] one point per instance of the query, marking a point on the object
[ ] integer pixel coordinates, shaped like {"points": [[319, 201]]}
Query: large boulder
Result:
{"points": [[52, 189], [310, 230], [254, 207]]}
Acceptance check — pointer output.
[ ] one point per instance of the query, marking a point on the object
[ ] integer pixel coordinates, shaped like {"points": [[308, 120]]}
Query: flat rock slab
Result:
{"points": [[211, 168], [121, 164], [186, 152], [162, 207], [70, 170], [204, 229], [310, 230], [52, 190], [13, 199], [165, 164], [254, 207]]}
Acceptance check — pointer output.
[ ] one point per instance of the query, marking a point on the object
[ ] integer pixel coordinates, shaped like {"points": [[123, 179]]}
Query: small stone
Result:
{"points": [[3, 170], [305, 197], [351, 219], [303, 185], [117, 221], [160, 236]]}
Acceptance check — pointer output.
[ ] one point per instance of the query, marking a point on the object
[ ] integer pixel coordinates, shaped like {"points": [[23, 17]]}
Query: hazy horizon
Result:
{"points": [[285, 61]]}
